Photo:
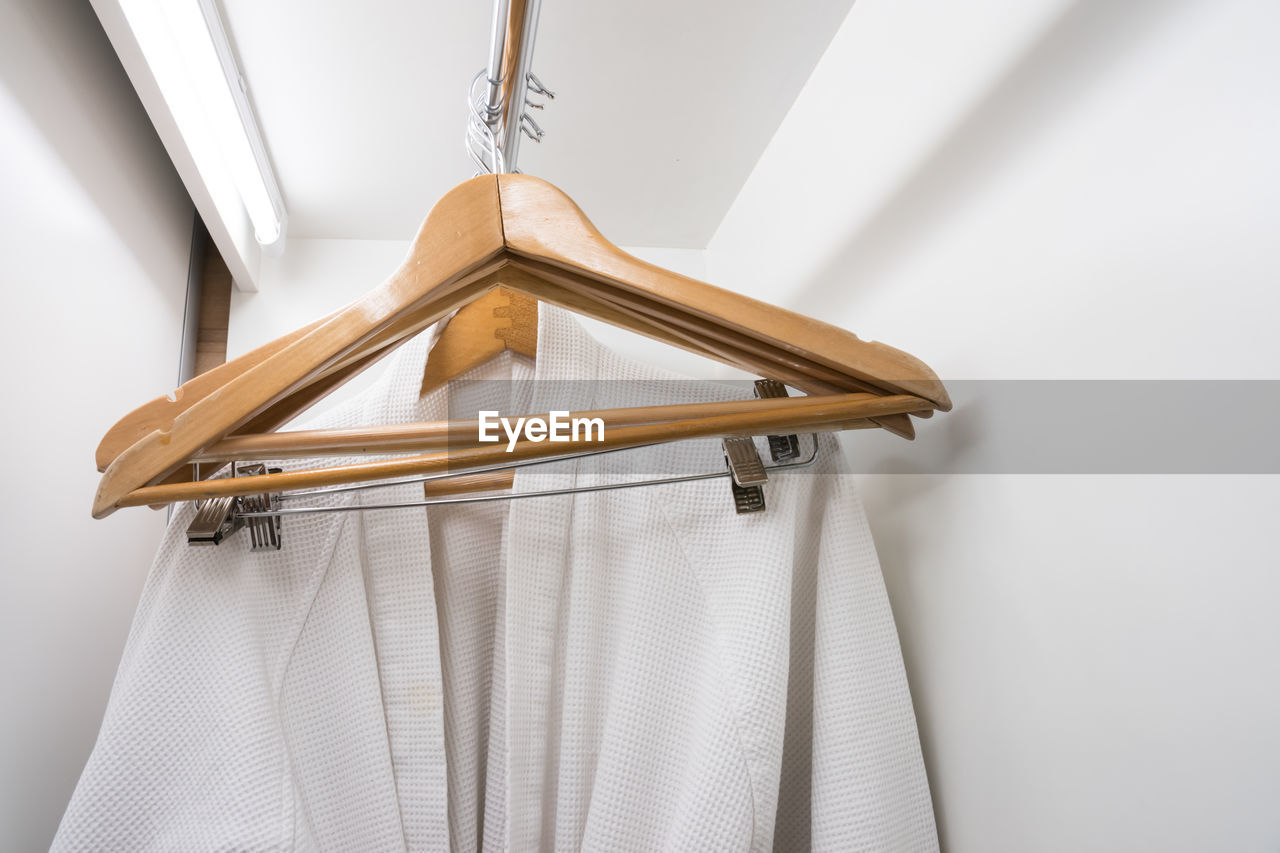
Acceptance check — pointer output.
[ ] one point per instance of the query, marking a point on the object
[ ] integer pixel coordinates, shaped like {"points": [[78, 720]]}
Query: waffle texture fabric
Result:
{"points": [[636, 669]]}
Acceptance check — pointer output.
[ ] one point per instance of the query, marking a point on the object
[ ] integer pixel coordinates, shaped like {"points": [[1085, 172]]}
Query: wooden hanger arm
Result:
{"points": [[561, 288], [804, 414], [444, 435], [485, 481], [557, 289], [159, 414], [663, 323], [504, 478], [462, 234], [573, 243]]}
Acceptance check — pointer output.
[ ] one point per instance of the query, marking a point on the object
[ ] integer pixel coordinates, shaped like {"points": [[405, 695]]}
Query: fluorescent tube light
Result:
{"points": [[186, 47]]}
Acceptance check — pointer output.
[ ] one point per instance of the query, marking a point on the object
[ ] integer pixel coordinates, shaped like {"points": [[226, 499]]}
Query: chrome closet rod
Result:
{"points": [[515, 25]]}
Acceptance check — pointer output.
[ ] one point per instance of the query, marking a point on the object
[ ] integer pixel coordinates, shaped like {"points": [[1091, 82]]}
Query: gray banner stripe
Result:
{"points": [[1007, 426]]}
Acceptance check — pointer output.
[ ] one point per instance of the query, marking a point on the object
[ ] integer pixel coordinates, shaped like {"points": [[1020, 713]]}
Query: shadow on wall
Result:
{"points": [[58, 64], [892, 505], [1075, 54], [894, 527]]}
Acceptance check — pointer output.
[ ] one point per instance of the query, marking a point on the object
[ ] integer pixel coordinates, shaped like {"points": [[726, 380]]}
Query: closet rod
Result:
{"points": [[515, 23]]}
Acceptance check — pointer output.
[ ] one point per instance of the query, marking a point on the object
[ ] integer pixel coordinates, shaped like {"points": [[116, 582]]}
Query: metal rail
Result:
{"points": [[499, 97], [275, 512]]}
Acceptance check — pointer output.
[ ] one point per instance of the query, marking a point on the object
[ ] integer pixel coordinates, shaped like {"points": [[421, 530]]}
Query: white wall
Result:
{"points": [[95, 234], [1095, 660]]}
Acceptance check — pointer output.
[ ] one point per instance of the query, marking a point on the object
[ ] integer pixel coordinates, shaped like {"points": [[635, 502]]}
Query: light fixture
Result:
{"points": [[186, 47]]}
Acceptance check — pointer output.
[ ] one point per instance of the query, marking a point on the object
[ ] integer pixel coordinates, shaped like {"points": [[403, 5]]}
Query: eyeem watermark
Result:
{"points": [[557, 426]]}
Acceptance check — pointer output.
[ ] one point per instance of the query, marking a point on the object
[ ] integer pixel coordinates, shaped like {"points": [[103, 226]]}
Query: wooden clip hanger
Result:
{"points": [[522, 233], [814, 414]]}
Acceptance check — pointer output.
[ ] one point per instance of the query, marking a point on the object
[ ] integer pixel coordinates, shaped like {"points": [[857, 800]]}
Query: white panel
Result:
{"points": [[662, 106], [211, 189], [95, 230], [1052, 191]]}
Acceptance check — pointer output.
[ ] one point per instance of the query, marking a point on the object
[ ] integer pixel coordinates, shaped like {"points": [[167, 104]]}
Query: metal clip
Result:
{"points": [[218, 518], [530, 128], [782, 448], [215, 520], [536, 86], [746, 473]]}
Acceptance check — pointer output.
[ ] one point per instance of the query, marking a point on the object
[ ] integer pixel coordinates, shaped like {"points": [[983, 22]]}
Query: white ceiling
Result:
{"points": [[662, 110]]}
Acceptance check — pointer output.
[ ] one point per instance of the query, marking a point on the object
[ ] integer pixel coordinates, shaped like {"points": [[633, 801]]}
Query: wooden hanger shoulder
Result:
{"points": [[502, 319], [461, 235], [575, 245]]}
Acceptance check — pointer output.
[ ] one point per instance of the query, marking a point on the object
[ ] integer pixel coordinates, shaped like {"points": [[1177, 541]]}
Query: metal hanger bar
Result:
{"points": [[765, 388], [688, 478], [479, 469]]}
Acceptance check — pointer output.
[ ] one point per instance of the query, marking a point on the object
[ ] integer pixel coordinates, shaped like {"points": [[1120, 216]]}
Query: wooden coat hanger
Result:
{"points": [[522, 233], [811, 414]]}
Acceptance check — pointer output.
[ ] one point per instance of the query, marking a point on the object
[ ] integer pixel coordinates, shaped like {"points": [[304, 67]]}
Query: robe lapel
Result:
{"points": [[538, 544], [397, 552]]}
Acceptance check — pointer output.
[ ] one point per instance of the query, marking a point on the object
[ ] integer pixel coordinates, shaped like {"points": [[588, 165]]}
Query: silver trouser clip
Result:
{"points": [[746, 468], [783, 448], [218, 518], [746, 473]]}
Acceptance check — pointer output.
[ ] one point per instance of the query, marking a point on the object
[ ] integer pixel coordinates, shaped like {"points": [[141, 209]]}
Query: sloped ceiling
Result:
{"points": [[662, 107]]}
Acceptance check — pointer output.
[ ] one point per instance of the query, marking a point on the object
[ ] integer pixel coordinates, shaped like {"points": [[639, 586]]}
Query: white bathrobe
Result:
{"points": [[637, 669]]}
